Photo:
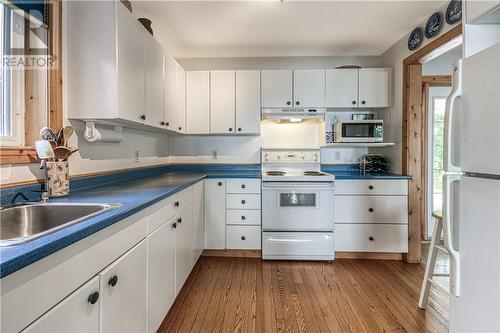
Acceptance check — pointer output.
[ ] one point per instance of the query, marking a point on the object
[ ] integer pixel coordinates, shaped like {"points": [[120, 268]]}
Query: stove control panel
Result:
{"points": [[291, 156]]}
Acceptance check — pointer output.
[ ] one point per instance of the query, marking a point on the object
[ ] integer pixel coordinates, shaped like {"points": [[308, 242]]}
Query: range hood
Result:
{"points": [[291, 115]]}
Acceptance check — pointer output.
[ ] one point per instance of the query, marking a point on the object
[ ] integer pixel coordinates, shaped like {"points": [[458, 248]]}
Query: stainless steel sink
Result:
{"points": [[26, 222]]}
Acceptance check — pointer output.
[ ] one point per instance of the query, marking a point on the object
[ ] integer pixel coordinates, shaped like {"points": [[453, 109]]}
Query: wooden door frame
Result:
{"points": [[413, 137]]}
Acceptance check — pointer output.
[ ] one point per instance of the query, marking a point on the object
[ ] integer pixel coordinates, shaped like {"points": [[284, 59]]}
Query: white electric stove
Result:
{"points": [[297, 206]]}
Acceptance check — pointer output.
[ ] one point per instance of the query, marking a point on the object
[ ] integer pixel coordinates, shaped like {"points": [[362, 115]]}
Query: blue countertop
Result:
{"points": [[340, 175], [135, 190], [135, 195]]}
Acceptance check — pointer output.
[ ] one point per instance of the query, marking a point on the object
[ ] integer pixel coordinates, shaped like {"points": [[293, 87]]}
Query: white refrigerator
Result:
{"points": [[471, 188]]}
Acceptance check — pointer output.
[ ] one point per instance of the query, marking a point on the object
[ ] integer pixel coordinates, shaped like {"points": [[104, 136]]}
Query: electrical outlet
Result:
{"points": [[136, 156], [337, 156], [214, 154]]}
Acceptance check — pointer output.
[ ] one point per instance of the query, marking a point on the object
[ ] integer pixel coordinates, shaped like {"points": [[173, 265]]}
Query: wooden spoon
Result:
{"points": [[62, 153], [67, 133]]}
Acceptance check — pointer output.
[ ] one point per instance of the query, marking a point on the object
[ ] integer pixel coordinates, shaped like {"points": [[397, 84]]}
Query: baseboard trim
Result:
{"points": [[233, 253], [369, 255]]}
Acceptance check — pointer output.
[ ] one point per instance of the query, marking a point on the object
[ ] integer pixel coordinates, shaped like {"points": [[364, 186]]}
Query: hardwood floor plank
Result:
{"points": [[251, 295]]}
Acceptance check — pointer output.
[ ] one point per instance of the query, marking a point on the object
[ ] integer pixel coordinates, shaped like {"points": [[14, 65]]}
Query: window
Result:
{"points": [[12, 88], [30, 77], [437, 106]]}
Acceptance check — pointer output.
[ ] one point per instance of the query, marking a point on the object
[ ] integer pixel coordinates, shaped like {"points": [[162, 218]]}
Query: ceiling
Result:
{"points": [[290, 28]]}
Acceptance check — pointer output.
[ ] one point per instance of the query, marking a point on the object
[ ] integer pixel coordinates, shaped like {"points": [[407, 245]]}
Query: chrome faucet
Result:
{"points": [[44, 194]]}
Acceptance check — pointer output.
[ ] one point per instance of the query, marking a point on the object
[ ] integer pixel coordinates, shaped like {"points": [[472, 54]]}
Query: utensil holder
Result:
{"points": [[58, 178]]}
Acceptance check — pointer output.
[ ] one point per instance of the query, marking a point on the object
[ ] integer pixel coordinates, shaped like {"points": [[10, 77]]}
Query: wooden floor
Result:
{"points": [[251, 295]]}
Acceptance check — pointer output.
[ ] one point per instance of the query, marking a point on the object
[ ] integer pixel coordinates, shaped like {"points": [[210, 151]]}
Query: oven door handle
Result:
{"points": [[297, 185]]}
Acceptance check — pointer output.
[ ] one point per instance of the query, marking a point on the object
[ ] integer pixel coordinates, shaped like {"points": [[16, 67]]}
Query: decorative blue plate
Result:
{"points": [[433, 25], [415, 39], [454, 12]]}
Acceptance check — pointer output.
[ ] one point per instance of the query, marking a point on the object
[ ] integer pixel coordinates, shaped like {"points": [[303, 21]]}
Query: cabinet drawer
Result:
{"points": [[243, 186], [160, 213], [243, 201], [371, 238], [243, 237], [371, 209], [243, 216], [372, 187], [182, 199]]}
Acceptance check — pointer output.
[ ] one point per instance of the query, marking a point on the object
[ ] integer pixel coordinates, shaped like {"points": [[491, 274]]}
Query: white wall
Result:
{"points": [[394, 57], [443, 64]]}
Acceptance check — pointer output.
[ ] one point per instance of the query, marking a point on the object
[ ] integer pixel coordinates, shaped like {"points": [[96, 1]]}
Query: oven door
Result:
{"points": [[298, 206]]}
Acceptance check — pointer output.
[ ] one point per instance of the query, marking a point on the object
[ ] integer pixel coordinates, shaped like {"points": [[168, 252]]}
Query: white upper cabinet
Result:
{"points": [[180, 99], [353, 88], [374, 87], [131, 100], [222, 101], [276, 88], [175, 94], [483, 12], [114, 67], [248, 102], [309, 88], [170, 91], [153, 58], [341, 88], [197, 102]]}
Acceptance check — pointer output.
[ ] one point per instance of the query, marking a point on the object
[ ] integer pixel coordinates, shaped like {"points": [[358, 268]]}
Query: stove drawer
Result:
{"points": [[371, 209], [243, 216], [298, 245], [243, 186], [243, 237], [243, 201], [371, 238]]}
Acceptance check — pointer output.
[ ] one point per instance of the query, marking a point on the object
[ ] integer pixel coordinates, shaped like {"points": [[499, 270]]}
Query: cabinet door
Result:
{"points": [[198, 102], [180, 101], [198, 219], [215, 214], [123, 292], [170, 92], [309, 88], [161, 274], [153, 56], [276, 88], [183, 247], [222, 101], [75, 313], [130, 80], [477, 12], [341, 88], [248, 102], [374, 87]]}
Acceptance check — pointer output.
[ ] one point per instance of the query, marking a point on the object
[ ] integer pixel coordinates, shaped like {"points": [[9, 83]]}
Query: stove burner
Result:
{"points": [[313, 173], [275, 173]]}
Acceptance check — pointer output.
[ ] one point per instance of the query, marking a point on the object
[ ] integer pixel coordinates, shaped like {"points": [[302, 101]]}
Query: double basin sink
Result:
{"points": [[28, 221]]}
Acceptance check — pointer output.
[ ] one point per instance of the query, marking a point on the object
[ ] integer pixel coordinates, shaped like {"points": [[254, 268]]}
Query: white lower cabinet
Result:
{"points": [[243, 237], [371, 238], [183, 248], [371, 216], [79, 312], [161, 274], [215, 214], [198, 220], [123, 288]]}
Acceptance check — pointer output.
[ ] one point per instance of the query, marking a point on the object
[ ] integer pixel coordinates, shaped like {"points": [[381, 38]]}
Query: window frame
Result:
{"points": [[17, 152]]}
